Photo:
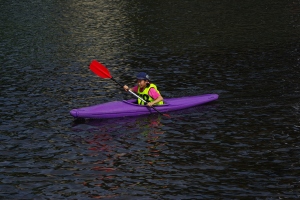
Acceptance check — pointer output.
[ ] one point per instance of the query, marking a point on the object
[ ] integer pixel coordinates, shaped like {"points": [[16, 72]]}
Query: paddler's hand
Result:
{"points": [[126, 88], [150, 104]]}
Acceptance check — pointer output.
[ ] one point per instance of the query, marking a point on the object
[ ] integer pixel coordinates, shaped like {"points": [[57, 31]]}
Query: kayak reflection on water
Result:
{"points": [[151, 129], [101, 132], [113, 142]]}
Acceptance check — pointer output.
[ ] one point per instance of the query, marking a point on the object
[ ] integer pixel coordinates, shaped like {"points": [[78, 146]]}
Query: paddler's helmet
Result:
{"points": [[143, 76]]}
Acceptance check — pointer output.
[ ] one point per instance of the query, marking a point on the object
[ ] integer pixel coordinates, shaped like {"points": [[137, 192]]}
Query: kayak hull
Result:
{"points": [[127, 108]]}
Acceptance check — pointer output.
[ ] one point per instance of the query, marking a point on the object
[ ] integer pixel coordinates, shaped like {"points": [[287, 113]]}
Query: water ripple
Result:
{"points": [[245, 145]]}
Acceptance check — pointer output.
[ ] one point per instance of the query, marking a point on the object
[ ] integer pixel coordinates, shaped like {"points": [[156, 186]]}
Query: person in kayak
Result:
{"points": [[147, 90]]}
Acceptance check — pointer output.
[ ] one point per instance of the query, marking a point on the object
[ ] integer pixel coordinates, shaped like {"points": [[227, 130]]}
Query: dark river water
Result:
{"points": [[245, 145]]}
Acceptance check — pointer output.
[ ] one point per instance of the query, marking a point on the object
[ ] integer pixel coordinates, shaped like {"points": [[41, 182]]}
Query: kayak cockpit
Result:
{"points": [[133, 102]]}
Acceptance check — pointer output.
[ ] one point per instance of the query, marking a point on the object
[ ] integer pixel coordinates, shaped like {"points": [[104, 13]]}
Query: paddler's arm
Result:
{"points": [[133, 89], [126, 88], [158, 99]]}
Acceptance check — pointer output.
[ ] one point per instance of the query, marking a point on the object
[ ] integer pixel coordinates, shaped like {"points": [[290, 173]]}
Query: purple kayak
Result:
{"points": [[128, 108]]}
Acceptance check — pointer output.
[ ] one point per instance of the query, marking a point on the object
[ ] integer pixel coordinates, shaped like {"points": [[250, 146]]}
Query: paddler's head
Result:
{"points": [[143, 79]]}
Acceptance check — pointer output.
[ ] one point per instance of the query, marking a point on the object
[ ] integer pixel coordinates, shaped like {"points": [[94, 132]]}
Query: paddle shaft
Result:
{"points": [[135, 95]]}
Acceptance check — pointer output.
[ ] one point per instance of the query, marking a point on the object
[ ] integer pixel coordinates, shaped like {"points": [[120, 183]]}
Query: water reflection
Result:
{"points": [[148, 127], [117, 144]]}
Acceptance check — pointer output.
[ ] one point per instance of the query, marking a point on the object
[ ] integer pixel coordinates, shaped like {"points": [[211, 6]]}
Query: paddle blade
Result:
{"points": [[99, 69]]}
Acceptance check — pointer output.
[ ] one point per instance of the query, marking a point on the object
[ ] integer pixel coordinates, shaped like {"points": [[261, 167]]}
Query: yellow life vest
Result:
{"points": [[145, 95]]}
